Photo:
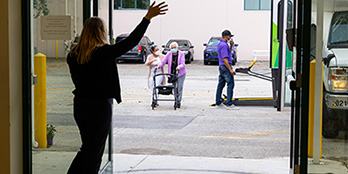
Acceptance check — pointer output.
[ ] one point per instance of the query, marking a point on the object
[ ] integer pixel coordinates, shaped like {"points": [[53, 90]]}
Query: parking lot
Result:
{"points": [[195, 130], [196, 121]]}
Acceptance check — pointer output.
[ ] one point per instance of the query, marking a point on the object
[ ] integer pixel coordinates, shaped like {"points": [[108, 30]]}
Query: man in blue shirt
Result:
{"points": [[226, 71]]}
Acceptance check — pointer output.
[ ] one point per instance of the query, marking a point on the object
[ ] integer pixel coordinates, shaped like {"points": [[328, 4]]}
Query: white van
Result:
{"points": [[335, 74]]}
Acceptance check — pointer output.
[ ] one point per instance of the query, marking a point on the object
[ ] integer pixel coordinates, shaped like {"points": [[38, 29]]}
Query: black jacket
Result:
{"points": [[98, 78]]}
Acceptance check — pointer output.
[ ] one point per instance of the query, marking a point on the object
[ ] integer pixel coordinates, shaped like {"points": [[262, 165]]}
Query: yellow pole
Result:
{"points": [[40, 113], [311, 110], [56, 49], [253, 63]]}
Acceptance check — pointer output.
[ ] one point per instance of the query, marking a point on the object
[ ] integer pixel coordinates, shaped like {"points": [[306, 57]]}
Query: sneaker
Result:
{"points": [[219, 106], [232, 107]]}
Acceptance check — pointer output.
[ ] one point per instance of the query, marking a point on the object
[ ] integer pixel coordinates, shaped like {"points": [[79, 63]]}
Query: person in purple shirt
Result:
{"points": [[226, 71]]}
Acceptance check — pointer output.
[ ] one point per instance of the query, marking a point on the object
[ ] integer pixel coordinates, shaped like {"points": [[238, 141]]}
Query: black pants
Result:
{"points": [[93, 117]]}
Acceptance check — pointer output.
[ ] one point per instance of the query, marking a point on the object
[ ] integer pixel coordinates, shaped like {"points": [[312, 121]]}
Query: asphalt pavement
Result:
{"points": [[252, 136]]}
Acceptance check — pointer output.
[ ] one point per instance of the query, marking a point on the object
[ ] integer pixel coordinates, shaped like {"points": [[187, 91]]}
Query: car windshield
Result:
{"points": [[214, 42], [181, 43], [339, 30], [119, 39]]}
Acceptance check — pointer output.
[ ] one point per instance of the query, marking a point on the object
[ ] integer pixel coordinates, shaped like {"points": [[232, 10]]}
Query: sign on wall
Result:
{"points": [[56, 28]]}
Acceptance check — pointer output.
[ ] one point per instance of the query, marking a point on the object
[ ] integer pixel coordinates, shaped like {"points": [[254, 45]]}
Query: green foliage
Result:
{"points": [[51, 130], [40, 7]]}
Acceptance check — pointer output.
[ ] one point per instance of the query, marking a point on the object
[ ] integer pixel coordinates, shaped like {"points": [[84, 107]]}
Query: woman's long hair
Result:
{"points": [[93, 35]]}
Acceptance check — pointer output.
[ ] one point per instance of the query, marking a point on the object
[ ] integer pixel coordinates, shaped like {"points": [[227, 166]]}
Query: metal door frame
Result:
{"points": [[300, 103], [27, 85]]}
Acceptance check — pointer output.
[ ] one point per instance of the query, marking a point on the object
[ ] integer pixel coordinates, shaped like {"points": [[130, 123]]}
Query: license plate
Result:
{"points": [[340, 102]]}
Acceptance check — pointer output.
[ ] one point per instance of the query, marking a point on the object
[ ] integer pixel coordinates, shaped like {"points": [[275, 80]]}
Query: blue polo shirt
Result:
{"points": [[224, 51]]}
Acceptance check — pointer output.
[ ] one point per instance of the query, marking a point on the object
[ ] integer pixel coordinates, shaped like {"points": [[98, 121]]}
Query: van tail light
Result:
{"points": [[140, 48]]}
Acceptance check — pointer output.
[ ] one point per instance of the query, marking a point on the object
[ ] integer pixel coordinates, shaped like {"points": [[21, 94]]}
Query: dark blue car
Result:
{"points": [[210, 51]]}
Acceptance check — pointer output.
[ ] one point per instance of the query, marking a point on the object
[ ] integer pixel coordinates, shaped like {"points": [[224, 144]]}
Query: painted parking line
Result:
{"points": [[60, 98], [251, 134], [59, 89], [201, 137], [67, 92], [149, 95], [183, 108], [68, 130]]}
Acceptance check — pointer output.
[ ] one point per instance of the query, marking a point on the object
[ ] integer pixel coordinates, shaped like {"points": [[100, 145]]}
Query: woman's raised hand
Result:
{"points": [[155, 10]]}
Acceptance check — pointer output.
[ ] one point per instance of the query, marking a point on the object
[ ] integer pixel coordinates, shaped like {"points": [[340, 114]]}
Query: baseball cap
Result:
{"points": [[227, 33]]}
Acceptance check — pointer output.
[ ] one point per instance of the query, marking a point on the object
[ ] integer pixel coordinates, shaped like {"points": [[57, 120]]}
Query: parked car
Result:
{"points": [[184, 45], [74, 42], [139, 52], [210, 51]]}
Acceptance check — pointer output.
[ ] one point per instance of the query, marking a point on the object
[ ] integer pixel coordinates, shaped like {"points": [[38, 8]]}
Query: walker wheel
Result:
{"points": [[153, 105]]}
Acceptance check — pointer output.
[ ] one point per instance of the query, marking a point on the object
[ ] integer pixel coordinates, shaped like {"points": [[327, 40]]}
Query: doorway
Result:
{"points": [[300, 72]]}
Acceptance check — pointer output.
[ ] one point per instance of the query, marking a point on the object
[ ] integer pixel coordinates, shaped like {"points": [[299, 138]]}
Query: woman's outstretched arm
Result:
{"points": [[134, 38]]}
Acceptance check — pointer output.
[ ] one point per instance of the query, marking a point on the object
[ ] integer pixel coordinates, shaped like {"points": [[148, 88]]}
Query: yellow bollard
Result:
{"points": [[311, 110], [40, 113], [56, 49]]}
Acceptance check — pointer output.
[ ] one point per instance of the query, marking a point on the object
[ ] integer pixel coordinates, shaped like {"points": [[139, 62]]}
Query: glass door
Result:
{"points": [[57, 26], [50, 132], [104, 9], [318, 120], [281, 55]]}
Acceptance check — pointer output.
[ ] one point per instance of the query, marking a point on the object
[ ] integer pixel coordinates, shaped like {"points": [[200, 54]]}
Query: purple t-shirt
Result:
{"points": [[224, 51]]}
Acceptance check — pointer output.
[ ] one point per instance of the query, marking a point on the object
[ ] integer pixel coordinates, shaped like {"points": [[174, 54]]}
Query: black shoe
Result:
{"points": [[178, 106]]}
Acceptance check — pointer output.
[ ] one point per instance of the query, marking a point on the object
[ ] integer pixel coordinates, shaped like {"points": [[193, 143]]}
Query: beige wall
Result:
{"points": [[72, 8], [16, 114], [199, 20], [10, 87], [4, 89]]}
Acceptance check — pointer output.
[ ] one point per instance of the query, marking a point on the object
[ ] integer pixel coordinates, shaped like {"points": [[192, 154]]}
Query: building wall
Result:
{"points": [[59, 7], [4, 90], [16, 111], [194, 21], [199, 20], [11, 159]]}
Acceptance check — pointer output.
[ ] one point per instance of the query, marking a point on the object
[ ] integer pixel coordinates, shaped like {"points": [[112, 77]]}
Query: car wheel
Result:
{"points": [[205, 62], [330, 123], [143, 59], [330, 128]]}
